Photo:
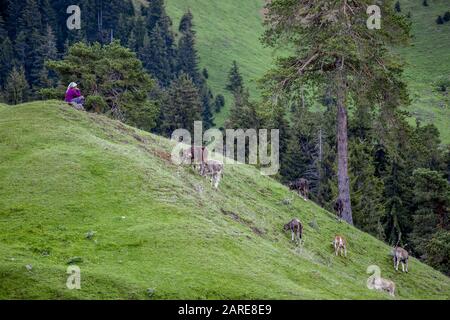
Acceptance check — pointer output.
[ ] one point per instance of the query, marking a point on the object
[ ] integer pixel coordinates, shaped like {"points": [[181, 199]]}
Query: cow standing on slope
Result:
{"points": [[301, 186], [296, 229], [214, 169], [339, 207], [400, 255], [196, 155], [340, 245]]}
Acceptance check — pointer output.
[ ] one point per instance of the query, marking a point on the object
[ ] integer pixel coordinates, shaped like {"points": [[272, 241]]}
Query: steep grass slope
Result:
{"points": [[64, 173], [227, 30], [427, 60], [230, 30]]}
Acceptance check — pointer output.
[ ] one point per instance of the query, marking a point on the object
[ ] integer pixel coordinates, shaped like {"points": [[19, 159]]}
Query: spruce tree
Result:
{"points": [[431, 200], [188, 56], [156, 58], [188, 62], [186, 22], [219, 103], [28, 42], [16, 88], [367, 190], [14, 10], [398, 7], [439, 20], [154, 13], [48, 51], [183, 106], [334, 48], [235, 82], [6, 53], [425, 3]]}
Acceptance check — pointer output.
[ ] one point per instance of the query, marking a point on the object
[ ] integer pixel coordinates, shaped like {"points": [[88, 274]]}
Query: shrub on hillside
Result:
{"points": [[447, 16], [438, 251]]}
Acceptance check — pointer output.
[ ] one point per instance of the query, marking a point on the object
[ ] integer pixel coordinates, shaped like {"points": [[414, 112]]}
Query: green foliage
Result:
{"points": [[446, 16], [367, 191], [219, 103], [16, 87], [113, 73], [431, 203], [183, 106], [96, 103], [438, 251], [235, 82]]}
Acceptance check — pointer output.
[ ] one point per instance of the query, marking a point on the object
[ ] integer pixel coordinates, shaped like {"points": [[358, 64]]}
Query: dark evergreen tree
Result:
{"points": [[438, 251], [6, 53], [447, 16], [425, 3], [154, 13], [440, 20], [182, 107], [235, 82], [186, 22], [47, 51], [398, 7], [16, 88], [14, 11], [431, 203], [219, 103], [156, 56], [188, 56]]}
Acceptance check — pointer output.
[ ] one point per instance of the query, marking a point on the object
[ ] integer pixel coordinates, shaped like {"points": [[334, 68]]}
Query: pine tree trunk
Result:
{"points": [[342, 146]]}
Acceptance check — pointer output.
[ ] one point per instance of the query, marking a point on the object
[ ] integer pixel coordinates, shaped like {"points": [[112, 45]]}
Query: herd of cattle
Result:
{"points": [[198, 157]]}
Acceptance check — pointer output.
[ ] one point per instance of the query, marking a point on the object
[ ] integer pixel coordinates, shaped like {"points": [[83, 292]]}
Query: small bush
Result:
{"points": [[447, 16], [440, 20], [96, 103]]}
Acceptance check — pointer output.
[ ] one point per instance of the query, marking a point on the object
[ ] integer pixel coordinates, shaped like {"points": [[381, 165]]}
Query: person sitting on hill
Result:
{"points": [[73, 95]]}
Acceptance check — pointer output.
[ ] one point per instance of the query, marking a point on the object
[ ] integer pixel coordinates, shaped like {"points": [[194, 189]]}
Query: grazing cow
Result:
{"points": [[301, 186], [214, 169], [339, 207], [381, 284], [196, 155], [296, 229], [340, 244], [400, 255]]}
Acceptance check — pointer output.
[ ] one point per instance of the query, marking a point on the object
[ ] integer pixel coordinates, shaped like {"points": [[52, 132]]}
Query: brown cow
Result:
{"points": [[339, 207], [340, 244], [296, 228], [301, 186]]}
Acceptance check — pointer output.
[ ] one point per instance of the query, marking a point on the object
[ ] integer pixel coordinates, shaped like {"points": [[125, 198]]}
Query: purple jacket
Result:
{"points": [[71, 94]]}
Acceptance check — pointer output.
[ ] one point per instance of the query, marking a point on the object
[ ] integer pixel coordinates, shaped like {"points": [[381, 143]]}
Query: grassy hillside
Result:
{"points": [[64, 173], [230, 30], [227, 30], [428, 59]]}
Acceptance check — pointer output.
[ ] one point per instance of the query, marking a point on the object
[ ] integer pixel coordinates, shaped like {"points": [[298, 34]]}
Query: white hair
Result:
{"points": [[71, 85]]}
